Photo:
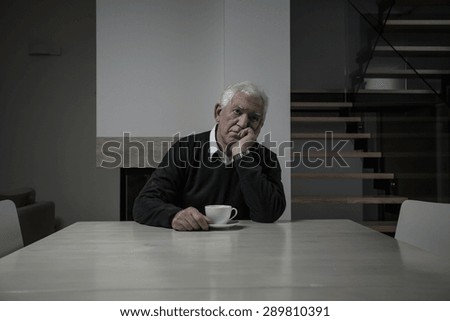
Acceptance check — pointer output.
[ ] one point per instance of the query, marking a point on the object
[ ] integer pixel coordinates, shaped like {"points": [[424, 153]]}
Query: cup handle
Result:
{"points": [[235, 213]]}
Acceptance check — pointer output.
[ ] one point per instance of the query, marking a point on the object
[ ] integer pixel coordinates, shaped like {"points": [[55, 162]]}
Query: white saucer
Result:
{"points": [[225, 225]]}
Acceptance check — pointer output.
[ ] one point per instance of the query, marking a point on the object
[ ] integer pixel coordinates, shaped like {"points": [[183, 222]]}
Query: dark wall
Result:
{"points": [[47, 108], [319, 44]]}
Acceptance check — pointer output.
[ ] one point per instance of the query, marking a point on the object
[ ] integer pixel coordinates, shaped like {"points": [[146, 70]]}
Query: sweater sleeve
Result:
{"points": [[260, 182], [156, 205]]}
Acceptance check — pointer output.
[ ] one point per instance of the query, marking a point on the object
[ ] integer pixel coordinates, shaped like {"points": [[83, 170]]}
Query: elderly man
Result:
{"points": [[222, 166]]}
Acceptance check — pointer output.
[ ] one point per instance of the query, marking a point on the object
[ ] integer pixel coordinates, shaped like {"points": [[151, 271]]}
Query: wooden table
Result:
{"points": [[303, 260]]}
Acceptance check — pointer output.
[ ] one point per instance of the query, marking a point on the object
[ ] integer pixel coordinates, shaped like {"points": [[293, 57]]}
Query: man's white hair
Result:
{"points": [[247, 88]]}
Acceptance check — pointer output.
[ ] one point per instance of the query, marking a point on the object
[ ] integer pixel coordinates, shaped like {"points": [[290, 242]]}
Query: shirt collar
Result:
{"points": [[214, 148]]}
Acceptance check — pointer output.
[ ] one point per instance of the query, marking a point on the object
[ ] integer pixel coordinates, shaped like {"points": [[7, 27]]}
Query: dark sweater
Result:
{"points": [[188, 177]]}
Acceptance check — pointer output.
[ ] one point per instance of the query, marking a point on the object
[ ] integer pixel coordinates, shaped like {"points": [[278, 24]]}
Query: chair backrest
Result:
{"points": [[132, 180], [10, 233], [425, 225]]}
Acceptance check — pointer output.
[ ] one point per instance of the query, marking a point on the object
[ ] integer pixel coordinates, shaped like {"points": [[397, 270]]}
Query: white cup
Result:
{"points": [[220, 214]]}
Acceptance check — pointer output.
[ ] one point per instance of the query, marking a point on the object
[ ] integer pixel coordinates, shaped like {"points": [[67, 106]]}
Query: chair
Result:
{"points": [[10, 234], [132, 180], [36, 218], [425, 225]]}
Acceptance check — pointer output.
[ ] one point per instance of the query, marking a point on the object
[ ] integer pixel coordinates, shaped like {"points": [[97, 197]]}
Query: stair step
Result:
{"points": [[413, 50], [334, 135], [414, 155], [396, 99], [348, 94], [394, 106], [344, 175], [300, 105], [424, 175], [405, 73], [417, 24], [371, 98], [325, 119], [377, 199], [406, 119], [397, 91], [353, 154], [411, 135]]}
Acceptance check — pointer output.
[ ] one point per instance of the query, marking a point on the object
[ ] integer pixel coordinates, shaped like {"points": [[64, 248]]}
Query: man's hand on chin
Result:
{"points": [[247, 139]]}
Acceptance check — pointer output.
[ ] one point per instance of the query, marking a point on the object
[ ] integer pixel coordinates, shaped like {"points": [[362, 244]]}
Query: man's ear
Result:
{"points": [[217, 111]]}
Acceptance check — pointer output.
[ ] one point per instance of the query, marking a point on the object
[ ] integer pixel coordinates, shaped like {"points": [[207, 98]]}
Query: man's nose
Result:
{"points": [[243, 121]]}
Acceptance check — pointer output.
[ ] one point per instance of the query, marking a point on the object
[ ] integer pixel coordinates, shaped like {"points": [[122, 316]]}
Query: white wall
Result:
{"points": [[159, 66], [47, 109]]}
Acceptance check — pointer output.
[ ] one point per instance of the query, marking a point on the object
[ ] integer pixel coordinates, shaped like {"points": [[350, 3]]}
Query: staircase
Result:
{"points": [[333, 165], [360, 154]]}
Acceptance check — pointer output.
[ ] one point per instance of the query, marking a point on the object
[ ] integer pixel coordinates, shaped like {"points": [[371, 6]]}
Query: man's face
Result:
{"points": [[242, 112]]}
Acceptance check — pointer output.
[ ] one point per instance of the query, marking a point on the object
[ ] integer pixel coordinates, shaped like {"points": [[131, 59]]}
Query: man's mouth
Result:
{"points": [[235, 135], [235, 131]]}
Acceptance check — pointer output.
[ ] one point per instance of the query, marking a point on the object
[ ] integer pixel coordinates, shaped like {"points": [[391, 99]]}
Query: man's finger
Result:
{"points": [[202, 221], [190, 219]]}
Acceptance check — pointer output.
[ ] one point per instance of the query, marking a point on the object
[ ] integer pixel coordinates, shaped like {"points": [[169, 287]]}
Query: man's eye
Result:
{"points": [[254, 119], [236, 111]]}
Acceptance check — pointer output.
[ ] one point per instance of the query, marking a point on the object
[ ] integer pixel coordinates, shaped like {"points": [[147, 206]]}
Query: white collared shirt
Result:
{"points": [[214, 148]]}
